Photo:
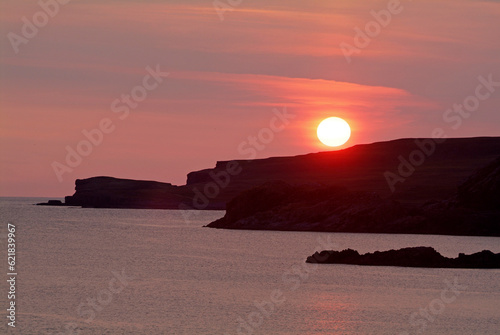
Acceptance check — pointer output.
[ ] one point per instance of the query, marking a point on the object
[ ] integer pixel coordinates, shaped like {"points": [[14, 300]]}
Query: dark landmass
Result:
{"points": [[52, 203], [360, 169], [422, 257], [109, 192], [474, 209]]}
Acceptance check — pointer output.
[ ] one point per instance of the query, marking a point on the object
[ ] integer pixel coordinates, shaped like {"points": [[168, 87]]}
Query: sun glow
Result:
{"points": [[333, 131]]}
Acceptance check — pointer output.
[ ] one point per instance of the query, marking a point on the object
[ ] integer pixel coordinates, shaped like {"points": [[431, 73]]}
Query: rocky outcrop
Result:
{"points": [[108, 192], [360, 169], [283, 206], [408, 257]]}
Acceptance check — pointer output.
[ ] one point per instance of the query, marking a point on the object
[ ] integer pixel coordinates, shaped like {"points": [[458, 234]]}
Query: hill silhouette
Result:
{"points": [[473, 210], [410, 171]]}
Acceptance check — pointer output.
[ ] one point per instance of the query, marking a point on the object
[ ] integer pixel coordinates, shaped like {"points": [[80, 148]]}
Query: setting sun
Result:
{"points": [[333, 131]]}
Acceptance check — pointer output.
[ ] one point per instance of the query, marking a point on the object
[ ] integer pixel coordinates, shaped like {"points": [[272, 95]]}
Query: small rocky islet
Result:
{"points": [[422, 257]]}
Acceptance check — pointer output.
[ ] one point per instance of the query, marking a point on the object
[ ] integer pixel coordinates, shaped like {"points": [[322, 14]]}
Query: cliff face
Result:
{"points": [[108, 192], [360, 168], [363, 168], [282, 206], [482, 189]]}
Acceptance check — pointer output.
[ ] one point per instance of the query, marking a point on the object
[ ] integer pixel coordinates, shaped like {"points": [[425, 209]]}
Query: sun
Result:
{"points": [[334, 131]]}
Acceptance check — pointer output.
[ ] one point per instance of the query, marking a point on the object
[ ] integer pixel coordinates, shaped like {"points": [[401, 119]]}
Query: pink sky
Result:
{"points": [[226, 78]]}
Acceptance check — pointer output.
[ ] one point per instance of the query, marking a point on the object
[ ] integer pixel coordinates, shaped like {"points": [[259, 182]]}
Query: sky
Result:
{"points": [[155, 89]]}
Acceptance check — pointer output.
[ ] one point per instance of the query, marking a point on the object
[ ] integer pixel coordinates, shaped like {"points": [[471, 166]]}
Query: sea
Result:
{"points": [[129, 271]]}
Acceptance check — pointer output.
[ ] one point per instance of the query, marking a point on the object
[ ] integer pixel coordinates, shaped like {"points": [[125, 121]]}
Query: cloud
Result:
{"points": [[227, 76]]}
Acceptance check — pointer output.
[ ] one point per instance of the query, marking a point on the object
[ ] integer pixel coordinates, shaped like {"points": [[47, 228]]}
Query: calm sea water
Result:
{"points": [[108, 271]]}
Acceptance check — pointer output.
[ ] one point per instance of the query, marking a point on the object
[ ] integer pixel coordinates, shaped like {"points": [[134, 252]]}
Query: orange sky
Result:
{"points": [[226, 78]]}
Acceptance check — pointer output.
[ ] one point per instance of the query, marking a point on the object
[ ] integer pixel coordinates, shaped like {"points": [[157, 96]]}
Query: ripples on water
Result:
{"points": [[194, 280]]}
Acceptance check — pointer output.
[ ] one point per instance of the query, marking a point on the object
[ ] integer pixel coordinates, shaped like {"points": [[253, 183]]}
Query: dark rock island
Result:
{"points": [[425, 257]]}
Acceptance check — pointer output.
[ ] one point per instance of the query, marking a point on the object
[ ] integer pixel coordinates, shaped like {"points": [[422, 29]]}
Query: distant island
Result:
{"points": [[374, 188], [425, 257]]}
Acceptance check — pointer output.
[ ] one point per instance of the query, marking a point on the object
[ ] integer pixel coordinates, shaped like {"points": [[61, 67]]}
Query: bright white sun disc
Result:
{"points": [[333, 131]]}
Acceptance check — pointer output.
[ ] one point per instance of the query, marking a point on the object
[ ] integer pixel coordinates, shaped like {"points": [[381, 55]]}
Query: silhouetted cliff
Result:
{"points": [[282, 206], [361, 168], [108, 192], [482, 189]]}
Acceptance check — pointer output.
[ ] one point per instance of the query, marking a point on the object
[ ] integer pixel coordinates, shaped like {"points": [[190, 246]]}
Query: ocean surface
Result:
{"points": [[113, 271]]}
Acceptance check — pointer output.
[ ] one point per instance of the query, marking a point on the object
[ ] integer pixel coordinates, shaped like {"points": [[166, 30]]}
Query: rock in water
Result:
{"points": [[422, 257]]}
